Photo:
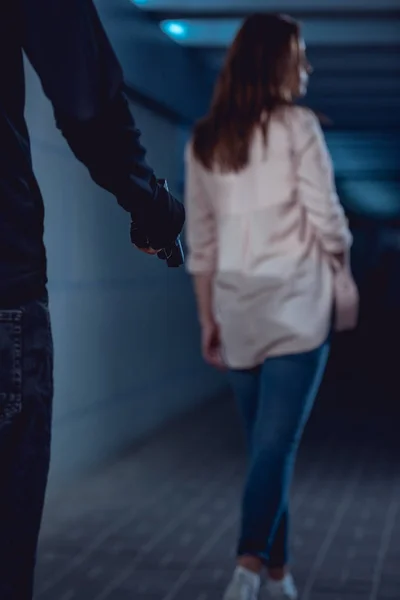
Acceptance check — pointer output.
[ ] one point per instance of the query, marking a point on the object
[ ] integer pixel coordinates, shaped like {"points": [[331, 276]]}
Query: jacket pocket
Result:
{"points": [[10, 364]]}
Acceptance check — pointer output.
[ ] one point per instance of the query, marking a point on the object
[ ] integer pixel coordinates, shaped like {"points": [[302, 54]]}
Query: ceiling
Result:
{"points": [[353, 45]]}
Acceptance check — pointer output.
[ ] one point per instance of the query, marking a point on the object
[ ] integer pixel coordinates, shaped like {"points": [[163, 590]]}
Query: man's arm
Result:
{"points": [[80, 74]]}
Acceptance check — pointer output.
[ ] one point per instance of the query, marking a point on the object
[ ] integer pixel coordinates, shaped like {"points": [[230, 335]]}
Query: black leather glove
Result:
{"points": [[172, 253]]}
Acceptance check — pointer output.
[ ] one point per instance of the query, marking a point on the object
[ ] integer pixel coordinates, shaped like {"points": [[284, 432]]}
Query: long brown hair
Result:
{"points": [[258, 65]]}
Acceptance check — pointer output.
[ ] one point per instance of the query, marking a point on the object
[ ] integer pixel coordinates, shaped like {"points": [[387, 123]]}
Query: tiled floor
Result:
{"points": [[161, 524]]}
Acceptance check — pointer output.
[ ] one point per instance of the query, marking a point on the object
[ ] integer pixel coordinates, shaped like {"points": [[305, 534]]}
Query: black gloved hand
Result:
{"points": [[171, 253]]}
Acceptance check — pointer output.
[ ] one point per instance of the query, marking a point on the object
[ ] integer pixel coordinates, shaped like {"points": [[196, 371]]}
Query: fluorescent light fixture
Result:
{"points": [[201, 32], [175, 29]]}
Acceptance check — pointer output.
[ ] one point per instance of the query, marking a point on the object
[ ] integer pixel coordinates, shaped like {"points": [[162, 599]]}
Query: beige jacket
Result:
{"points": [[267, 234]]}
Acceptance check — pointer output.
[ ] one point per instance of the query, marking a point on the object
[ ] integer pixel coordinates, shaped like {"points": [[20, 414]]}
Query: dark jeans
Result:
{"points": [[275, 401], [26, 392]]}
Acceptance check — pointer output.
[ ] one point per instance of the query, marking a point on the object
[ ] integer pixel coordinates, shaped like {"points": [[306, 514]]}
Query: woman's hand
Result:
{"points": [[211, 345]]}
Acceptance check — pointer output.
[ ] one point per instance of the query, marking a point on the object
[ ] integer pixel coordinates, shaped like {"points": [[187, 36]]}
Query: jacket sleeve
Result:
{"points": [[80, 74], [316, 186], [201, 234]]}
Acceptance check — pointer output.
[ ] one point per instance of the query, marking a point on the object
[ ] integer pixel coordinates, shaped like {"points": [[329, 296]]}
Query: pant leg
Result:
{"points": [[277, 549], [288, 387], [246, 385], [26, 391]]}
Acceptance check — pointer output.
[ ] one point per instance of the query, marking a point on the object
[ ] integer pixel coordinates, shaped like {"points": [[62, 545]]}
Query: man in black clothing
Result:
{"points": [[67, 46]]}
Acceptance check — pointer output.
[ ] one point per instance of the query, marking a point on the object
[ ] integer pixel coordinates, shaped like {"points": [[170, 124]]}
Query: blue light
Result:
{"points": [[174, 29], [140, 2]]}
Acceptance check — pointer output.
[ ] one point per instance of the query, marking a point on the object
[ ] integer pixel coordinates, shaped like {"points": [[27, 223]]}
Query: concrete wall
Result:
{"points": [[125, 329]]}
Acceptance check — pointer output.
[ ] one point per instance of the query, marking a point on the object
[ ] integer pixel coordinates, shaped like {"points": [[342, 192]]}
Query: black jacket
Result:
{"points": [[80, 74]]}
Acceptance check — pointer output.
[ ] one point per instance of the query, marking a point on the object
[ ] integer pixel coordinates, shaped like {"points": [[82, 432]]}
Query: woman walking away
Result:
{"points": [[265, 233]]}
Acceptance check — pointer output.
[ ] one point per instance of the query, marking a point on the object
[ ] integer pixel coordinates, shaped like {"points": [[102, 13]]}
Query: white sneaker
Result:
{"points": [[245, 585], [282, 590]]}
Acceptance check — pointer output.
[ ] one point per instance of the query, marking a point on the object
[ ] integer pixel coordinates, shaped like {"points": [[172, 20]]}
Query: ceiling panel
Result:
{"points": [[264, 5], [353, 45]]}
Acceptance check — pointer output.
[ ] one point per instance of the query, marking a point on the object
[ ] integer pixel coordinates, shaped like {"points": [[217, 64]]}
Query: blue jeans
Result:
{"points": [[275, 401], [26, 392]]}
